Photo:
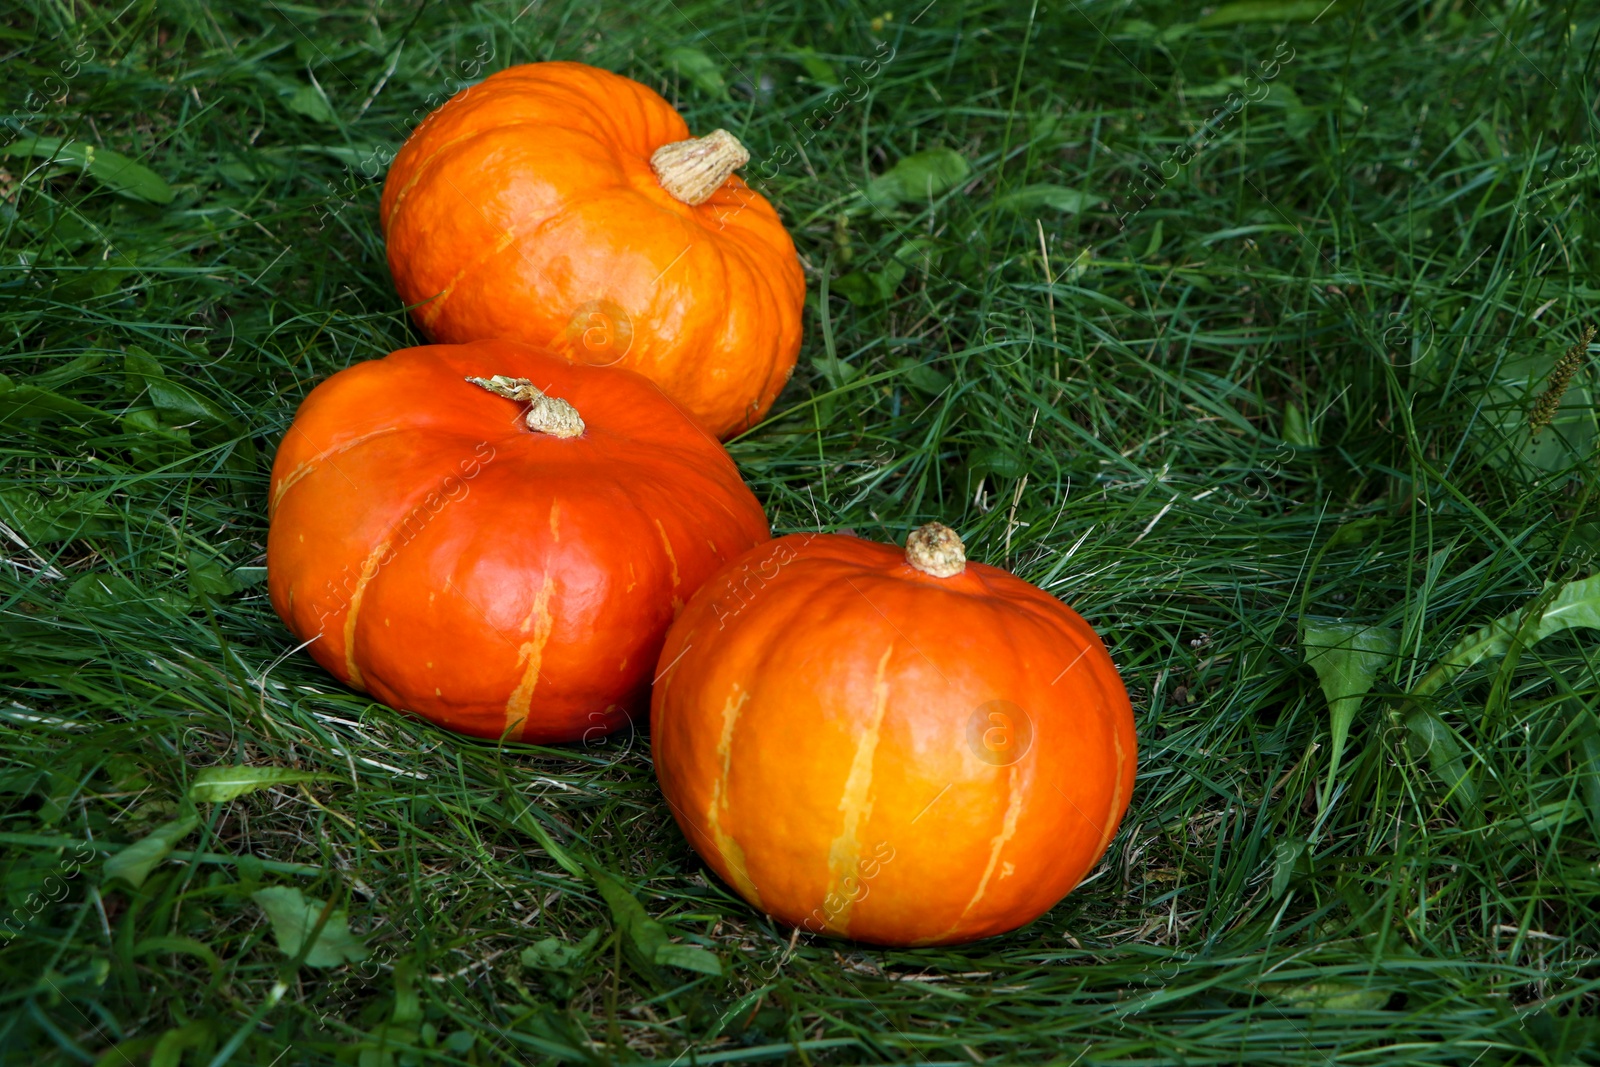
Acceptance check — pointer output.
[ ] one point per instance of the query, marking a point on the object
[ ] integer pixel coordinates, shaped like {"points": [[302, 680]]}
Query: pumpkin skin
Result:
{"points": [[442, 556], [865, 750], [526, 207]]}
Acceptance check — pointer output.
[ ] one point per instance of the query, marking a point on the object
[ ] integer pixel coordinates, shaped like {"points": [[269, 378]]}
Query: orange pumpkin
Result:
{"points": [[496, 539], [567, 206], [897, 747]]}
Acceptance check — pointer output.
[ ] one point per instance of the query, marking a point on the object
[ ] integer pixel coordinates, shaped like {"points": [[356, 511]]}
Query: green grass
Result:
{"points": [[1341, 310]]}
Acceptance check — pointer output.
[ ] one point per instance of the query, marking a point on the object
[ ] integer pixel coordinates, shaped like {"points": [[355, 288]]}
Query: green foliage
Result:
{"points": [[308, 929], [699, 69], [919, 178], [215, 784], [134, 863], [1347, 658], [112, 169], [649, 937]]}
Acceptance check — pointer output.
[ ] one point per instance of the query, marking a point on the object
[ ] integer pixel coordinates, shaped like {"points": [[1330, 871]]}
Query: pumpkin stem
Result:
{"points": [[546, 413], [937, 550], [694, 169]]}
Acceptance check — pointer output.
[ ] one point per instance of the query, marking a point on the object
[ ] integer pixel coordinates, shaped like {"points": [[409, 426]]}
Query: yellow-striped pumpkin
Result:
{"points": [[901, 748]]}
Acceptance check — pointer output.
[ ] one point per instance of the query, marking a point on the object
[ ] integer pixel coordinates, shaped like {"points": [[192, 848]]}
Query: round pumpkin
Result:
{"points": [[496, 539], [567, 206], [903, 748]]}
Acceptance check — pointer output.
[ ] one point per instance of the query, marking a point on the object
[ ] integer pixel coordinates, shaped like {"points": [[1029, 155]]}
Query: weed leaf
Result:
{"points": [[1044, 195], [134, 863], [1265, 11], [700, 70], [294, 916], [918, 178], [650, 937], [1577, 605], [217, 784], [1347, 658], [111, 169]]}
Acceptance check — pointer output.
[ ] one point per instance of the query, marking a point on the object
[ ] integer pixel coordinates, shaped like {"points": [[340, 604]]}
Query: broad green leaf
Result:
{"points": [[1431, 737], [689, 958], [878, 286], [42, 520], [1298, 120], [217, 784], [557, 963], [100, 589], [1002, 462], [407, 1004], [111, 169], [146, 422], [921, 377], [176, 402], [650, 937], [918, 178], [1588, 769], [169, 1049], [646, 934], [554, 954], [1267, 11], [1506, 440], [294, 916], [861, 287], [208, 577], [248, 576], [700, 69], [1576, 605], [1347, 658], [22, 401], [1045, 195], [1296, 431], [307, 100], [837, 372], [73, 369], [1152, 249], [1326, 996], [818, 69], [134, 863], [1285, 854], [182, 946]]}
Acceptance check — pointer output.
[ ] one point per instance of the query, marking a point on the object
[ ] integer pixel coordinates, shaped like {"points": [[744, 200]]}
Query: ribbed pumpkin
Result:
{"points": [[567, 206], [897, 747], [496, 539]]}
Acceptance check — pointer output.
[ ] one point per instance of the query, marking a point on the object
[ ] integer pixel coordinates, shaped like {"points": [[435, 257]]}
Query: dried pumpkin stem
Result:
{"points": [[937, 550], [694, 169], [546, 413]]}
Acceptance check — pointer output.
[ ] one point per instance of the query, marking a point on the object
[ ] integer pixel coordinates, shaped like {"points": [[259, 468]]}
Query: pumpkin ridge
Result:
{"points": [[369, 571], [597, 110], [543, 623], [510, 235], [418, 168], [314, 464], [1008, 830], [764, 283], [732, 853], [764, 654], [1116, 794], [513, 235], [855, 802], [672, 558], [372, 566]]}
